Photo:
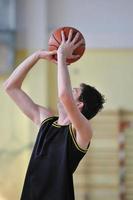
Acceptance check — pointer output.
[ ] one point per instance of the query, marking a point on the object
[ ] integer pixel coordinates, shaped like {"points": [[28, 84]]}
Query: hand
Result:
{"points": [[48, 55], [68, 46]]}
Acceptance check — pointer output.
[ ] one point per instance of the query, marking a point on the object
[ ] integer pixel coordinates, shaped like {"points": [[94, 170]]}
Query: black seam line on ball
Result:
{"points": [[82, 45], [56, 39], [52, 45]]}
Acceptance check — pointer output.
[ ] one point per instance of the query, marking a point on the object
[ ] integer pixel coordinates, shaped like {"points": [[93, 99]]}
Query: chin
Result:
{"points": [[59, 104]]}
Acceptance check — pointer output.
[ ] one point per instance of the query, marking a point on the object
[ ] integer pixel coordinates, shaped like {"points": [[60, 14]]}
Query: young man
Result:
{"points": [[62, 141]]}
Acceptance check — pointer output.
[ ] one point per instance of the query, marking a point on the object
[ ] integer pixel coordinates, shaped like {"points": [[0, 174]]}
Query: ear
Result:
{"points": [[80, 105]]}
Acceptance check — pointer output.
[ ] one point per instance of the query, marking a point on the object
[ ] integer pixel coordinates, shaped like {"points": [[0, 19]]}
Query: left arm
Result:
{"points": [[79, 122]]}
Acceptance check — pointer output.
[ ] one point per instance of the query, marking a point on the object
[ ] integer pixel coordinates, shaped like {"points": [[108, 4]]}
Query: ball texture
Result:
{"points": [[55, 41]]}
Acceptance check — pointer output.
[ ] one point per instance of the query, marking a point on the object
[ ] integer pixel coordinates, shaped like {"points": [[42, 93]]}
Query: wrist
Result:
{"points": [[38, 54], [61, 55]]}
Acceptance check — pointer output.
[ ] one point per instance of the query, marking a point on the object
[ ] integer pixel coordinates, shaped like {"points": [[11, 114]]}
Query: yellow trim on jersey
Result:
{"points": [[75, 142], [56, 125], [45, 120], [71, 133]]}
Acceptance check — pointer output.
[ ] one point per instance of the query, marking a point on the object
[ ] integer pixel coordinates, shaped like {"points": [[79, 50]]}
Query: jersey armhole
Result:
{"points": [[45, 120], [83, 150]]}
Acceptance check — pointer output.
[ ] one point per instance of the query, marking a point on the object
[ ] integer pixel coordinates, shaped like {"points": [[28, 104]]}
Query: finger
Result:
{"points": [[70, 35], [79, 43], [49, 53], [75, 38], [62, 36]]}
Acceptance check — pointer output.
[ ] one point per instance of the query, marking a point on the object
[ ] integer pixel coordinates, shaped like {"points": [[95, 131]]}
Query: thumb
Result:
{"points": [[53, 52]]}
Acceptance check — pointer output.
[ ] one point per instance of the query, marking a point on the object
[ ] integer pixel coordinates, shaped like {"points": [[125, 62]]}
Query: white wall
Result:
{"points": [[104, 23], [31, 24]]}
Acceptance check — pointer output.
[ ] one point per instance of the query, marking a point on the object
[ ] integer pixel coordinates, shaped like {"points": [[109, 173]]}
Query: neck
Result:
{"points": [[63, 119]]}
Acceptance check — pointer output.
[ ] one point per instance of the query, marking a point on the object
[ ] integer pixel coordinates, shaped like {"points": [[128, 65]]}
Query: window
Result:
{"points": [[7, 35]]}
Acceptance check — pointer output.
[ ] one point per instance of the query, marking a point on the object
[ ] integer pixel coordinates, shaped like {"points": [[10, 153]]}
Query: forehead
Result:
{"points": [[77, 88]]}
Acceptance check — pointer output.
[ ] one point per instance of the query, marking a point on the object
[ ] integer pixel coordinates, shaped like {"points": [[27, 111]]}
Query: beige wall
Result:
{"points": [[111, 71], [17, 131]]}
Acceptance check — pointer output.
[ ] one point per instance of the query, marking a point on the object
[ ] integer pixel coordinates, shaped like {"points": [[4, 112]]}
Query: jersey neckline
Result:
{"points": [[59, 125]]}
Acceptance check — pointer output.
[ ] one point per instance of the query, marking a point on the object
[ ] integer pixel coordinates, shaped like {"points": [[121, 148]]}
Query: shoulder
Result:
{"points": [[48, 120]]}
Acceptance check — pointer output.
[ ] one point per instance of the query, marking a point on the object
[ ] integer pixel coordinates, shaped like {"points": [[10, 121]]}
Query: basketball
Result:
{"points": [[55, 41]]}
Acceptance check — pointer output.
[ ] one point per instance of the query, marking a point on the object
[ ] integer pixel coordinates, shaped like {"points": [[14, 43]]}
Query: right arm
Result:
{"points": [[13, 85]]}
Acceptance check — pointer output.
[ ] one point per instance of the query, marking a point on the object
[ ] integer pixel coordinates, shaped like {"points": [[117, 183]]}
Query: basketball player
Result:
{"points": [[61, 141]]}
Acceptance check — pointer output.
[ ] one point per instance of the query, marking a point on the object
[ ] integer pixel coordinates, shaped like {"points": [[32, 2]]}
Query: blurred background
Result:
{"points": [[106, 172]]}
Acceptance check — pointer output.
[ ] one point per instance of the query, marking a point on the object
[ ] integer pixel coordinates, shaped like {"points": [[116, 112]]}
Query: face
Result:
{"points": [[76, 93]]}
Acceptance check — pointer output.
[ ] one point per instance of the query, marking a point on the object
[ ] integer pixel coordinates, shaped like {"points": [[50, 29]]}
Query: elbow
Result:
{"points": [[90, 134], [7, 86]]}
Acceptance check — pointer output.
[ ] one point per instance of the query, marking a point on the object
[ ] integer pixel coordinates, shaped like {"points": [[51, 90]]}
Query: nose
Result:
{"points": [[74, 90]]}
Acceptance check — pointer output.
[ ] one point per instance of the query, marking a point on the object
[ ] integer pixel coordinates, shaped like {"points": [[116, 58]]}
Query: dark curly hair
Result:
{"points": [[93, 100]]}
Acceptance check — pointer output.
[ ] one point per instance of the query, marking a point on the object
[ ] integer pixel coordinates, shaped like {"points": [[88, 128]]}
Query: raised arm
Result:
{"points": [[79, 122], [13, 86]]}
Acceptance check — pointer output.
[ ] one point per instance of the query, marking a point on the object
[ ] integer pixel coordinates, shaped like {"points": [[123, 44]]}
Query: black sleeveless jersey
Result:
{"points": [[54, 159]]}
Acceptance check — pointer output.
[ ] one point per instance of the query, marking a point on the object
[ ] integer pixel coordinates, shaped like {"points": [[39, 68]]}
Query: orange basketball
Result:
{"points": [[55, 41]]}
